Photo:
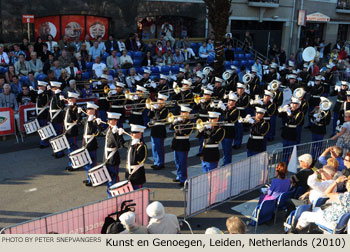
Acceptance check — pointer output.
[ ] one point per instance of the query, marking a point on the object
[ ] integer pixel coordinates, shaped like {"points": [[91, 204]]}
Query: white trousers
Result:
{"points": [[315, 216]]}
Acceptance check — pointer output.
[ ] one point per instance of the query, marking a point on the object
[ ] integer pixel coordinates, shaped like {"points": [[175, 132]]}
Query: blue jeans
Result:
{"points": [[208, 166], [238, 134], [287, 151], [181, 165], [42, 123], [59, 130], [316, 147], [103, 115], [158, 150], [73, 146], [90, 166], [334, 124], [113, 172], [201, 140], [227, 148]]}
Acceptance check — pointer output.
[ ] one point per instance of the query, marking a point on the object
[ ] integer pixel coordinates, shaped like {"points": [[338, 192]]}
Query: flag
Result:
{"points": [[293, 162]]}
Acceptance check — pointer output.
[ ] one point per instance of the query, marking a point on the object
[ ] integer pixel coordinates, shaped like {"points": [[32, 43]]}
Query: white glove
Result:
{"points": [[31, 88], [212, 105], [289, 112], [57, 91], [153, 85], [220, 103], [210, 87], [299, 79], [260, 102], [225, 96], [61, 96], [318, 119], [135, 98], [222, 107], [338, 122], [337, 88], [48, 87], [40, 91], [91, 118], [154, 106], [252, 102], [207, 126], [112, 92], [247, 91], [202, 100], [251, 121], [174, 85], [80, 110], [179, 119], [285, 107], [315, 115], [99, 121], [120, 131], [115, 129]]}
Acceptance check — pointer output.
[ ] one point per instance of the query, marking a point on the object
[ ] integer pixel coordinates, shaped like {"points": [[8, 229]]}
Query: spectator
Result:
{"points": [[111, 44], [213, 230], [247, 42], [56, 68], [71, 70], [56, 52], [129, 222], [26, 96], [79, 62], [38, 46], [162, 40], [151, 48], [178, 58], [336, 152], [63, 78], [29, 52], [148, 60], [346, 170], [8, 99], [210, 48], [203, 52], [32, 82], [48, 63], [36, 65], [2, 83], [4, 58], [50, 76], [130, 42], [139, 45], [95, 51], [120, 76], [229, 54], [87, 91], [84, 53], [64, 43], [72, 88], [160, 48], [235, 225], [65, 59], [15, 54], [282, 57], [188, 71], [167, 30], [125, 60], [44, 53], [50, 43], [197, 68], [160, 222], [76, 44], [159, 60], [22, 67], [344, 135], [98, 67], [228, 40], [168, 58], [113, 60], [335, 164], [258, 66], [168, 47], [24, 45], [87, 42], [10, 73], [101, 44], [187, 47], [121, 45]]}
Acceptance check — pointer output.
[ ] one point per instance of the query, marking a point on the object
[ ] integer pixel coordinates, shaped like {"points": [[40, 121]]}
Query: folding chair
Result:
{"points": [[339, 228], [263, 212], [294, 216], [281, 201], [319, 202]]}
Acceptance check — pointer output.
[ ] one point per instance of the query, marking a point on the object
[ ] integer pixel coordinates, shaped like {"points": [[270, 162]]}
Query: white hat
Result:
{"points": [[213, 230], [292, 76], [240, 85], [344, 83], [147, 71], [72, 95], [254, 69], [307, 158], [163, 76], [296, 100], [217, 79], [137, 128], [155, 210], [162, 97], [72, 81], [208, 92], [318, 77], [91, 105], [127, 219], [213, 114], [305, 66], [104, 76], [291, 63], [182, 70], [112, 115], [233, 67], [199, 74], [186, 82], [139, 88], [347, 93], [273, 65], [233, 97], [55, 83], [185, 109], [42, 83], [119, 84], [268, 93], [260, 110], [296, 72]]}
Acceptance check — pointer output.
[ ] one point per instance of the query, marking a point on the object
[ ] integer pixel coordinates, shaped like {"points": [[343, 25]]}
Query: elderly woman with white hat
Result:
{"points": [[129, 222], [160, 222]]}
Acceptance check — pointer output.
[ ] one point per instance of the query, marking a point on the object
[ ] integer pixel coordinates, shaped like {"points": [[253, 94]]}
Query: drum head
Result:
{"points": [[77, 151], [96, 167], [119, 184]]}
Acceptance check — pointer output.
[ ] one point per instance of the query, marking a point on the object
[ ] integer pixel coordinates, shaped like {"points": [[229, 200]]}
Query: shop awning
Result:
{"points": [[317, 17]]}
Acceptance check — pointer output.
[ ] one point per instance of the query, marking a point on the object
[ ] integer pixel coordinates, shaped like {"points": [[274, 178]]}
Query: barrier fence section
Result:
{"points": [[212, 188], [86, 219]]}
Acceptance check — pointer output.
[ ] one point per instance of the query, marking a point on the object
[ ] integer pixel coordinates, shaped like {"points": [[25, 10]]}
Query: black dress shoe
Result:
{"points": [[307, 127], [88, 184], [199, 154], [161, 167], [236, 147], [43, 146], [69, 168], [176, 180], [154, 167], [57, 156], [181, 184], [85, 181]]}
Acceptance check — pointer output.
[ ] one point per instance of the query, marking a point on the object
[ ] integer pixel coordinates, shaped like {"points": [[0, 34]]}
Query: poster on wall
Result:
{"points": [[7, 121], [97, 26], [73, 26], [47, 25]]}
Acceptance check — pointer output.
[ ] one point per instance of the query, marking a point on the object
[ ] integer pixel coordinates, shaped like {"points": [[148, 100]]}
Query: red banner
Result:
{"points": [[97, 26], [45, 26], [28, 19], [73, 26], [7, 121]]}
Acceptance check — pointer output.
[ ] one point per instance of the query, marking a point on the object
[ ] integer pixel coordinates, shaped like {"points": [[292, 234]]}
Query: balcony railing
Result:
{"points": [[343, 6], [264, 3]]}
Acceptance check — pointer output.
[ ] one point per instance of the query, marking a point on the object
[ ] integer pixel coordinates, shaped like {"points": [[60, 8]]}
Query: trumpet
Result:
{"points": [[149, 103], [285, 108]]}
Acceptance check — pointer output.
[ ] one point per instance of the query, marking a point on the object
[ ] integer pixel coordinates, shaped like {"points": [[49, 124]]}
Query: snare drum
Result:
{"points": [[47, 132], [99, 175], [80, 158], [59, 143], [120, 188], [31, 126]]}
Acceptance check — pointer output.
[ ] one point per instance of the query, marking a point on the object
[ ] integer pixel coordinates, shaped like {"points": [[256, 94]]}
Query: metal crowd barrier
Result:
{"points": [[85, 219], [210, 189]]}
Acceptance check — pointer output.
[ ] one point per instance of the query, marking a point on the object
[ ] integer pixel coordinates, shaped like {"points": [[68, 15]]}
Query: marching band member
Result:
{"points": [[209, 79], [102, 100], [259, 128], [136, 115], [254, 84], [158, 114], [185, 95], [284, 73], [213, 134], [231, 83], [344, 107], [42, 105], [181, 143], [315, 94], [219, 90], [162, 85], [146, 78], [292, 81], [272, 74], [230, 115], [91, 130], [241, 104], [305, 76], [341, 98], [304, 107], [72, 118], [269, 115], [328, 80], [119, 100], [136, 156], [197, 85], [180, 76], [114, 141], [131, 79], [56, 111]]}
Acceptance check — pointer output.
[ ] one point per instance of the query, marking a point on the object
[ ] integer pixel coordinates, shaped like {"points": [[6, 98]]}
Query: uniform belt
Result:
{"points": [[110, 149], [341, 101], [102, 98], [136, 113], [256, 137], [117, 106], [229, 124], [203, 115], [266, 118], [211, 145], [240, 108], [290, 125], [315, 96], [136, 166], [319, 124], [159, 123], [182, 137]]}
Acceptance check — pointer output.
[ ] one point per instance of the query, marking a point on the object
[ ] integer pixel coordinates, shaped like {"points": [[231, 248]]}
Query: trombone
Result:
{"points": [[199, 125], [84, 82], [149, 103], [196, 99], [128, 94]]}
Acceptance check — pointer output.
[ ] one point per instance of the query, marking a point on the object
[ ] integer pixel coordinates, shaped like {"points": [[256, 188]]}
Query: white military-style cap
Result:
{"points": [[233, 67], [344, 83], [292, 76], [139, 88], [273, 65], [254, 69], [208, 92], [186, 82], [260, 110], [233, 97], [217, 79], [182, 70], [120, 84], [55, 83], [268, 93], [163, 76], [91, 105], [104, 76], [213, 230], [240, 85], [199, 74], [42, 83], [185, 109], [291, 63], [147, 71], [318, 77], [213, 114], [112, 116], [162, 97], [72, 95], [137, 128], [305, 65], [296, 100], [127, 219]]}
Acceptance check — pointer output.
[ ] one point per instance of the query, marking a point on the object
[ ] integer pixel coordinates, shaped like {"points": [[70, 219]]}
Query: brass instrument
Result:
{"points": [[128, 94], [176, 90], [247, 78], [298, 93], [84, 82], [321, 111], [169, 119], [227, 75], [199, 125], [245, 119], [274, 85], [149, 103], [196, 99]]}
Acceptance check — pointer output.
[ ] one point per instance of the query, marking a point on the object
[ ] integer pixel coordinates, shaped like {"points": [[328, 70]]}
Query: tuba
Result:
{"points": [[274, 85], [298, 93], [247, 78], [227, 75], [309, 54], [207, 70]]}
